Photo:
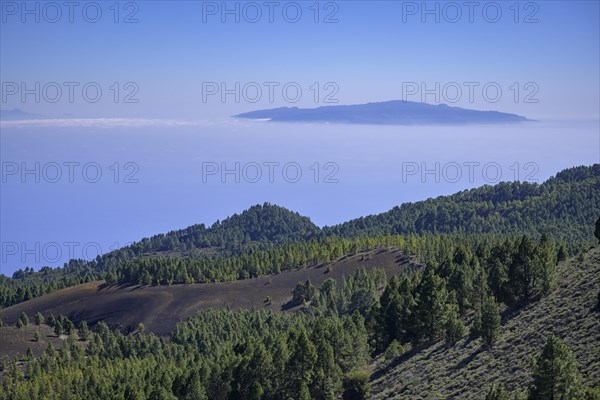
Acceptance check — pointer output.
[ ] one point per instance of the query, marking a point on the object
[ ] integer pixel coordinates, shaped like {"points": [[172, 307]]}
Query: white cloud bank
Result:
{"points": [[104, 123]]}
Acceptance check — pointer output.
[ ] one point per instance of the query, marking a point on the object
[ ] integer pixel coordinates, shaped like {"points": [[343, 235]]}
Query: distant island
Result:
{"points": [[395, 112], [16, 114]]}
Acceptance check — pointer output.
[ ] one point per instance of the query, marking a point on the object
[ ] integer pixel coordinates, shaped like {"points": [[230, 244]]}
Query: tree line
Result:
{"points": [[563, 206]]}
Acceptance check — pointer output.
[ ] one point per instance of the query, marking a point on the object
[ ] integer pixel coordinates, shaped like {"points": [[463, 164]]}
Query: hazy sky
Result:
{"points": [[176, 56], [128, 62]]}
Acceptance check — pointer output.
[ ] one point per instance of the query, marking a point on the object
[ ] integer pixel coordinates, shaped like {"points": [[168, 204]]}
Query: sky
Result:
{"points": [[142, 92], [539, 59]]}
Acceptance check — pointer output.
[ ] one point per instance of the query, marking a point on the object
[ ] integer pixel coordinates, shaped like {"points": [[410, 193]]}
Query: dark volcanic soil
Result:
{"points": [[159, 308]]}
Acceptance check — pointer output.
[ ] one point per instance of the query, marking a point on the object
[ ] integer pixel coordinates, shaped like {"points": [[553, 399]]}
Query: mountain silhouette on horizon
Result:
{"points": [[16, 114], [394, 112]]}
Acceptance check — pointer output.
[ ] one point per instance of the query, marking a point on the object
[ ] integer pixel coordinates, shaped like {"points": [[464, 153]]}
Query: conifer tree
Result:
{"points": [[455, 329], [523, 271], [58, 329], [490, 321], [256, 392], [39, 319], [301, 364], [555, 374], [84, 331], [24, 318], [498, 279], [431, 305]]}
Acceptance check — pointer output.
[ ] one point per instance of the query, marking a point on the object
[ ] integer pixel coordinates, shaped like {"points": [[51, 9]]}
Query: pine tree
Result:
{"points": [[301, 362], [256, 392], [523, 271], [327, 376], [408, 309], [24, 318], [84, 331], [455, 329], [597, 229], [490, 321], [304, 393], [303, 292], [555, 374], [39, 319], [392, 311], [480, 284], [50, 351], [58, 329], [431, 305], [498, 279]]}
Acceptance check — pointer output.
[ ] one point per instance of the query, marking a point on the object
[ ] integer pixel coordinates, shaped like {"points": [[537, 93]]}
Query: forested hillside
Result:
{"points": [[561, 206], [436, 346], [479, 304]]}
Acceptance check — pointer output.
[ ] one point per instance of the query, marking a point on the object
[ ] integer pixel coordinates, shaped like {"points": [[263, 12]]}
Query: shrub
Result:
{"points": [[394, 350], [356, 385]]}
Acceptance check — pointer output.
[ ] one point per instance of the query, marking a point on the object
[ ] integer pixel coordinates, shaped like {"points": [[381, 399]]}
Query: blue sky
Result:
{"points": [[538, 59], [368, 54]]}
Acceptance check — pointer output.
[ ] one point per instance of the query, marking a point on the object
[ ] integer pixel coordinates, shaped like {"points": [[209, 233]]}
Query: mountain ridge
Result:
{"points": [[562, 206]]}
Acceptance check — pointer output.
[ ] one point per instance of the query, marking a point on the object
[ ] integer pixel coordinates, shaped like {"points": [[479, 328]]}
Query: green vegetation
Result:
{"points": [[555, 374], [563, 206], [488, 261], [261, 239], [321, 352], [490, 321], [215, 355], [470, 369]]}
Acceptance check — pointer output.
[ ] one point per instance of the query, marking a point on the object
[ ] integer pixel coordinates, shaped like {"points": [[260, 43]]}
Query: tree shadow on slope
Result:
{"points": [[399, 360], [468, 359], [119, 286]]}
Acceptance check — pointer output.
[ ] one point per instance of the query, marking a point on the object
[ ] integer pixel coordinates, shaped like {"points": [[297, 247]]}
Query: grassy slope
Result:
{"points": [[466, 371], [161, 307]]}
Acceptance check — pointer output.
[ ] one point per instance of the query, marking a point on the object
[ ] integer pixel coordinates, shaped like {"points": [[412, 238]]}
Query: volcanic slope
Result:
{"points": [[159, 308]]}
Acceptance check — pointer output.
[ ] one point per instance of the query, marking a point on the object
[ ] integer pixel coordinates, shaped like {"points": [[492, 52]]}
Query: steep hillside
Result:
{"points": [[467, 370], [159, 308]]}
